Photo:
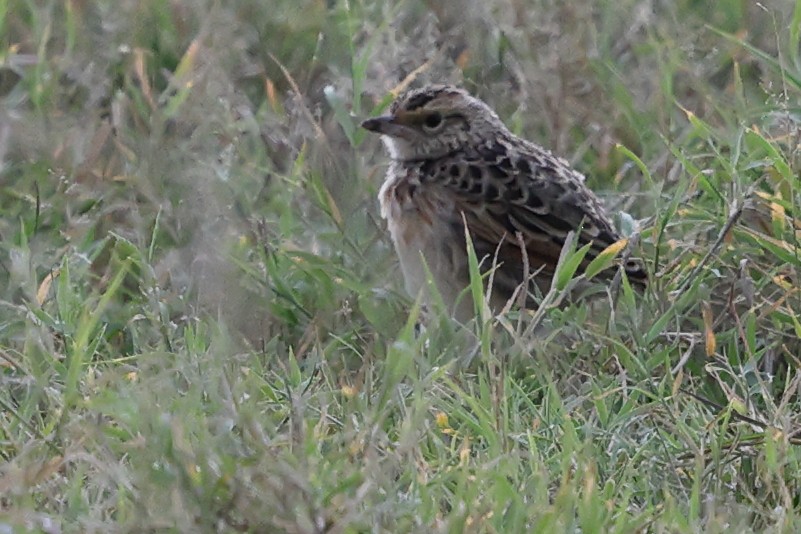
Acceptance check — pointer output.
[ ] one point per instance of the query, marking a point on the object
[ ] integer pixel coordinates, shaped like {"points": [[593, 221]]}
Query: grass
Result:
{"points": [[202, 326]]}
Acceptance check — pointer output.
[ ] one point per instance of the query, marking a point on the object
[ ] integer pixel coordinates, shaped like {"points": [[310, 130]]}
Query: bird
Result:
{"points": [[456, 172]]}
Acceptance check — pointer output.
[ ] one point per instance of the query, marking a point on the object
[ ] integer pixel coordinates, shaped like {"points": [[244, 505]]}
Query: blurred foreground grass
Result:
{"points": [[201, 321]]}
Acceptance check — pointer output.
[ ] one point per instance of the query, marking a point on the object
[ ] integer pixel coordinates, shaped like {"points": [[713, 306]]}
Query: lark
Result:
{"points": [[456, 170]]}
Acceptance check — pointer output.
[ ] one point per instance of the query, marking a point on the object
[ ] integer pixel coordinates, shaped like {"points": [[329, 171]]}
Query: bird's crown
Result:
{"points": [[434, 121]]}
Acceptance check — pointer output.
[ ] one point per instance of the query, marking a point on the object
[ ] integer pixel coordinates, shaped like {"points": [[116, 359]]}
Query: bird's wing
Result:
{"points": [[524, 198]]}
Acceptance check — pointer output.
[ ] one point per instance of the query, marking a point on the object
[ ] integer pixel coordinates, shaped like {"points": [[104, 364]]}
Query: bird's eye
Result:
{"points": [[433, 121]]}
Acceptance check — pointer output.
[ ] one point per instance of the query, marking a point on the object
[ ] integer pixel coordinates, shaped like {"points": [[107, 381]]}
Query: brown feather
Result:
{"points": [[454, 162]]}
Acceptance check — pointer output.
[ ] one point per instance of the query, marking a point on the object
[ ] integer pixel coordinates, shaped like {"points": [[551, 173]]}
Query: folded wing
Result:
{"points": [[522, 198]]}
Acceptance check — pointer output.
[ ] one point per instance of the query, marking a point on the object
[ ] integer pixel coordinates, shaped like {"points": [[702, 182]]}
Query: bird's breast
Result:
{"points": [[425, 230], [413, 209]]}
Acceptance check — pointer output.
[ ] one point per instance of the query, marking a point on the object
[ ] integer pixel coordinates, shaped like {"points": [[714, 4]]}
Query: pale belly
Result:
{"points": [[429, 245]]}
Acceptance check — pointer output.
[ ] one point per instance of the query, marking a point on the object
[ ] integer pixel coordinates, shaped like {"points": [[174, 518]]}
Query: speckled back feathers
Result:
{"points": [[454, 161]]}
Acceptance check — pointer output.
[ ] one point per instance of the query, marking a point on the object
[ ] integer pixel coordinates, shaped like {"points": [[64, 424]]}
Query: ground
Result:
{"points": [[202, 322]]}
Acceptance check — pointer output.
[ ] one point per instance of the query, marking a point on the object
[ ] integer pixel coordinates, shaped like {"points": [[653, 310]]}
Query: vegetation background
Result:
{"points": [[201, 322]]}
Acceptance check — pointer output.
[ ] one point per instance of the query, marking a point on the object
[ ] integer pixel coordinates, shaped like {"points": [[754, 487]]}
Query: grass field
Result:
{"points": [[202, 322]]}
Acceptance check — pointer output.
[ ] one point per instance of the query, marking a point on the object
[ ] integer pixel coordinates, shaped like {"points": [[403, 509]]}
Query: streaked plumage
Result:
{"points": [[453, 160]]}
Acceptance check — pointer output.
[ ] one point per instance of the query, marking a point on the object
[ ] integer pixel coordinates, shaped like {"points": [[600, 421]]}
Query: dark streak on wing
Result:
{"points": [[535, 195]]}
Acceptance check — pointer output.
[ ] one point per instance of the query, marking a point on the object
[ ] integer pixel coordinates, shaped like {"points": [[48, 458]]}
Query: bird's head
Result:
{"points": [[434, 121]]}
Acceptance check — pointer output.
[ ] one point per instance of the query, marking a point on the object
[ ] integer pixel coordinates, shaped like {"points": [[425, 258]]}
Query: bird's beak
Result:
{"points": [[388, 125], [378, 124]]}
